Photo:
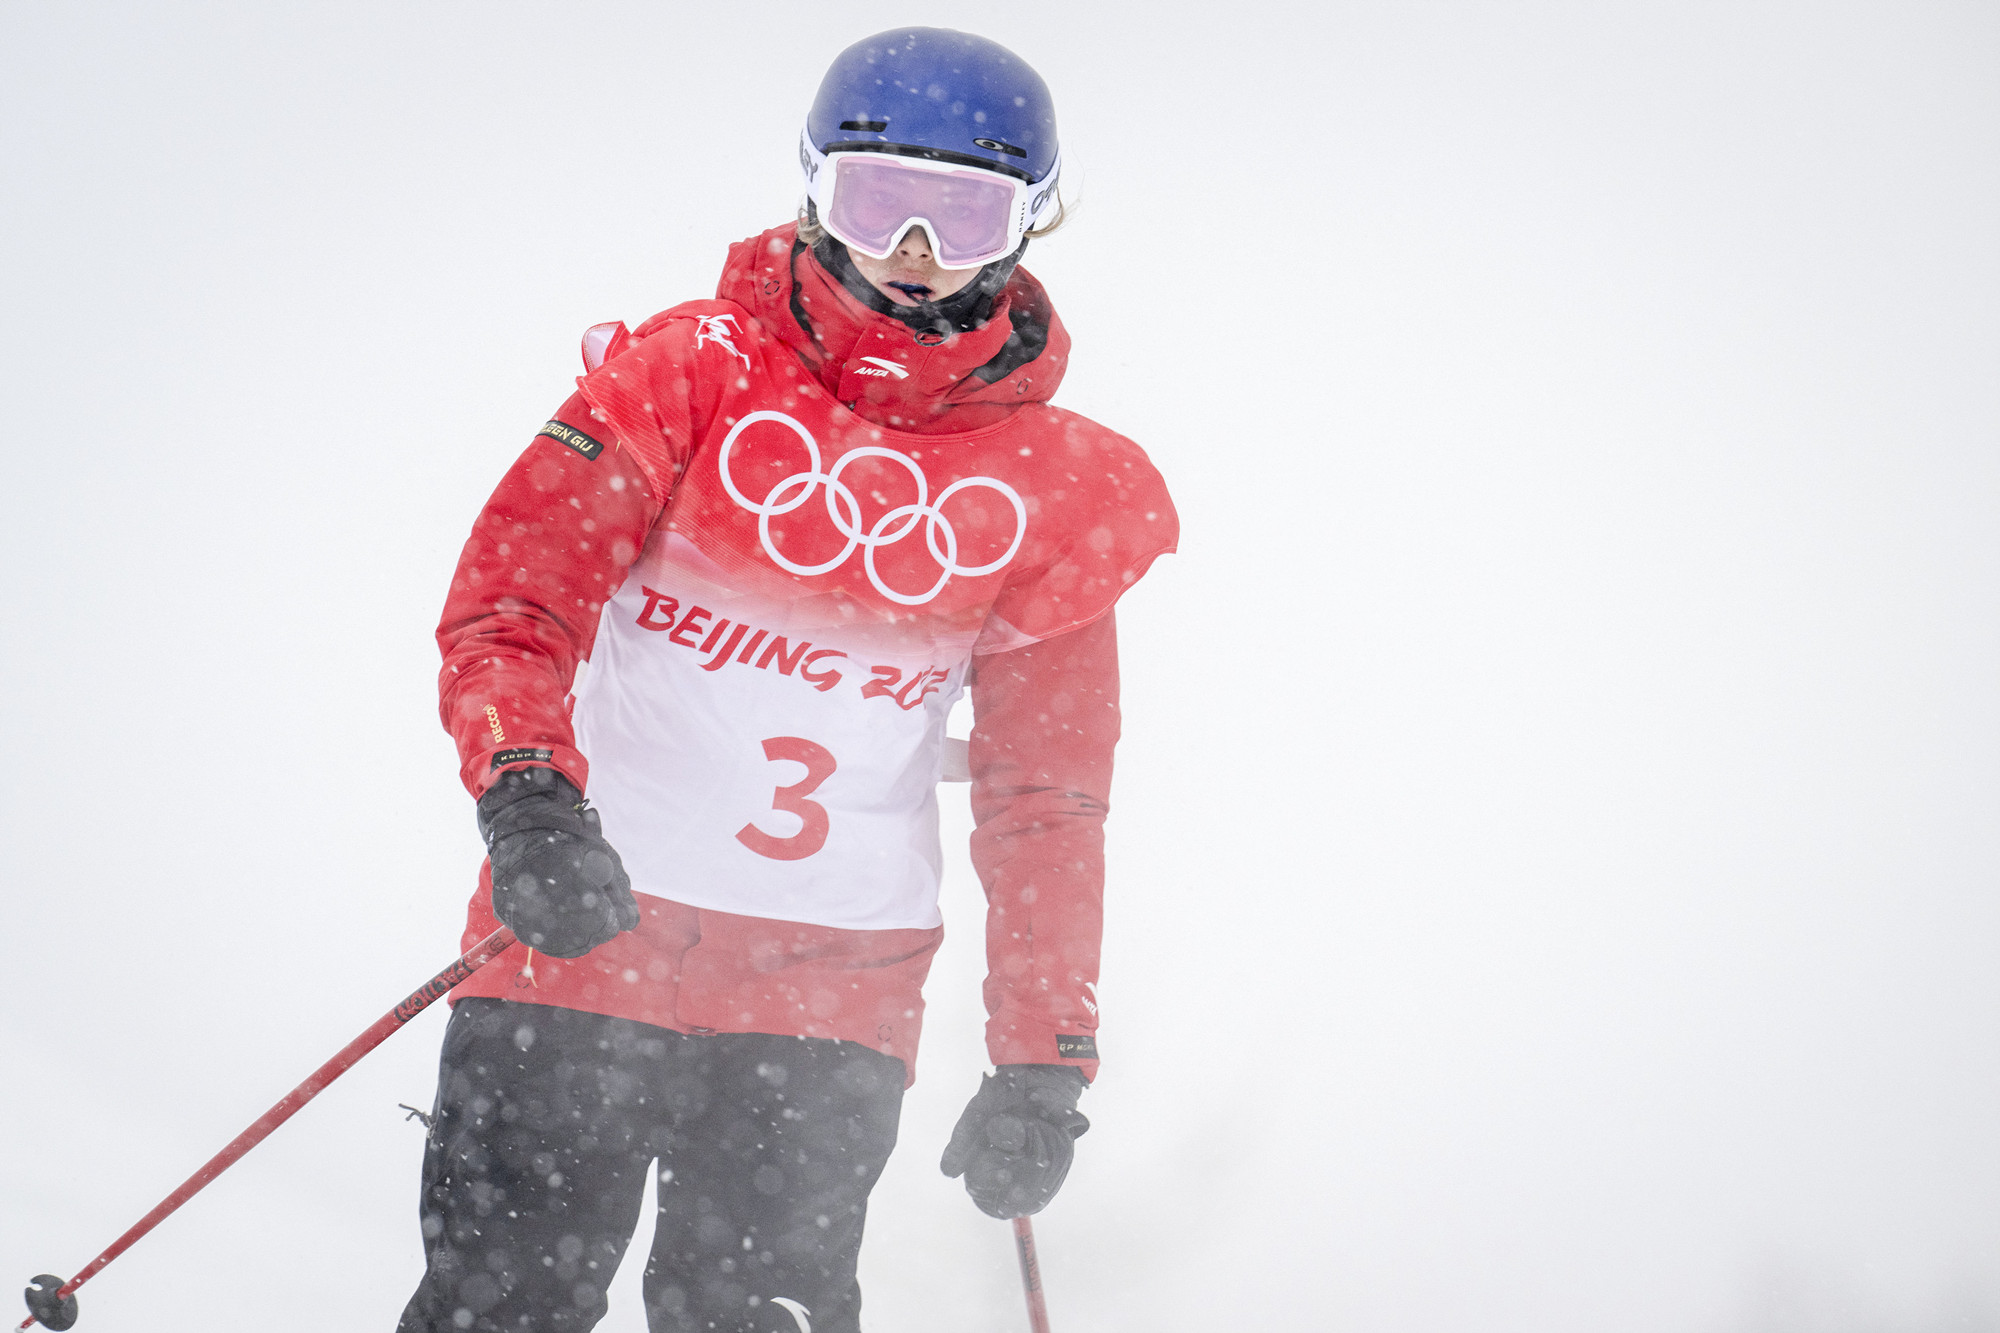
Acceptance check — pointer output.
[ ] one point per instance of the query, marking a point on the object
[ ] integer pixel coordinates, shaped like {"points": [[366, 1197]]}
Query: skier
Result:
{"points": [[731, 591]]}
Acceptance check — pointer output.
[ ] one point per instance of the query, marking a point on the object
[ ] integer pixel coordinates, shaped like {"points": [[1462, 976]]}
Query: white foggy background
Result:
{"points": [[1555, 842]]}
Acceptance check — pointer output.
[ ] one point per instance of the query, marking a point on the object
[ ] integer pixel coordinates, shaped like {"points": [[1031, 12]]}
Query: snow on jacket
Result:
{"points": [[733, 589]]}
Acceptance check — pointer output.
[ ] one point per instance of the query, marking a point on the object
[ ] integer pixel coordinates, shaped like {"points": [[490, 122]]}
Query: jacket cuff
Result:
{"points": [[1020, 1039], [484, 768]]}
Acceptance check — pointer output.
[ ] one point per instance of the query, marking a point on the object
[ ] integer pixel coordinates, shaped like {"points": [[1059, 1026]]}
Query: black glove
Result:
{"points": [[557, 884], [1015, 1141]]}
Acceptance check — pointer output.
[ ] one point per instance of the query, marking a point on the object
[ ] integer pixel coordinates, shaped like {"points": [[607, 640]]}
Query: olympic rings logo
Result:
{"points": [[845, 511]]}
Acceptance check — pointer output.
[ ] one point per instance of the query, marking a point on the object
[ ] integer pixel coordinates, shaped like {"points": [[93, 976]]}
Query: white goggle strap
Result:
{"points": [[1042, 201], [813, 163]]}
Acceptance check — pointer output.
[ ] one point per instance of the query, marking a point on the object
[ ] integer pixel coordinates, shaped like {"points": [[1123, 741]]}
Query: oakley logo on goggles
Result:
{"points": [[868, 200]]}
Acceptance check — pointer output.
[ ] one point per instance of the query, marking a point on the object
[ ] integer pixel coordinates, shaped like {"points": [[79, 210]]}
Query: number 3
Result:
{"points": [[810, 838]]}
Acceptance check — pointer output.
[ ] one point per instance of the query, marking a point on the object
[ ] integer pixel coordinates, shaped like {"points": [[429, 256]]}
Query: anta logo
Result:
{"points": [[877, 366], [799, 1313], [719, 329]]}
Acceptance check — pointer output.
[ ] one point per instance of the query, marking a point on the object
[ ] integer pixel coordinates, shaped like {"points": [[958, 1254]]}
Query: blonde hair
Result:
{"points": [[1063, 209]]}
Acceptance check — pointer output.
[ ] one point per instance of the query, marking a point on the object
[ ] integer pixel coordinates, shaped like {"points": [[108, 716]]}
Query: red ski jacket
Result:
{"points": [[732, 590]]}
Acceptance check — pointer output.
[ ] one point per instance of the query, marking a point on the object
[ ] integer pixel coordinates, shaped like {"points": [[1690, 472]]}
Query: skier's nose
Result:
{"points": [[916, 244]]}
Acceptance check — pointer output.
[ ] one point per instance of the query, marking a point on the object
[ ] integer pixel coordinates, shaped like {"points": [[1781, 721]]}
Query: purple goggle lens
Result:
{"points": [[968, 212]]}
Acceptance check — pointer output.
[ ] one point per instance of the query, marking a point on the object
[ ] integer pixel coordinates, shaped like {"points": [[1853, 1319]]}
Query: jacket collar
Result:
{"points": [[883, 370]]}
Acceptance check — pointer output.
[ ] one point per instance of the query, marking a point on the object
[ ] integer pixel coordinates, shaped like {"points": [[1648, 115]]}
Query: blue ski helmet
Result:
{"points": [[938, 94]]}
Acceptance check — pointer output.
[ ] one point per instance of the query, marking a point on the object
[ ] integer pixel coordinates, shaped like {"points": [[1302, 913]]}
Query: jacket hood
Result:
{"points": [[882, 369]]}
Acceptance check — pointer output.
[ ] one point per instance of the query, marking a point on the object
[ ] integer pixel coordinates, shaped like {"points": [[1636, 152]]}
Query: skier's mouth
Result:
{"points": [[916, 291]]}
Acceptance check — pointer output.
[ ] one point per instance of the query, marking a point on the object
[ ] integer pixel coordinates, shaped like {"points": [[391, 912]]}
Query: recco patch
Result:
{"points": [[573, 438], [502, 758], [1076, 1048]]}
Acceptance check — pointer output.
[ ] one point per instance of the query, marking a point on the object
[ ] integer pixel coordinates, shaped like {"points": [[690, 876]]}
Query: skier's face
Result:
{"points": [[912, 266]]}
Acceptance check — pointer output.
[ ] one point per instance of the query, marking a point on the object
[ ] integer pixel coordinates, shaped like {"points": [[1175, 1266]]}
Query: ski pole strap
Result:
{"points": [[348, 1056]]}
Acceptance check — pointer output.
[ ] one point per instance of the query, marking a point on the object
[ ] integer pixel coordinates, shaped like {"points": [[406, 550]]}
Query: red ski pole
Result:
{"points": [[55, 1306], [1031, 1275]]}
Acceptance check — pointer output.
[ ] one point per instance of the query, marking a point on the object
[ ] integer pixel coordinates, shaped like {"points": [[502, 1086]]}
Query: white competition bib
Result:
{"points": [[771, 759]]}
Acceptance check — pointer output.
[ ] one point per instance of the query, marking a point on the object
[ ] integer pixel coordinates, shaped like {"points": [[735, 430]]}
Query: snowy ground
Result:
{"points": [[1555, 845]]}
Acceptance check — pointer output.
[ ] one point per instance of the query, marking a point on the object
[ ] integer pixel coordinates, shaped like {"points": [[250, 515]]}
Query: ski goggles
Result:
{"points": [[869, 199]]}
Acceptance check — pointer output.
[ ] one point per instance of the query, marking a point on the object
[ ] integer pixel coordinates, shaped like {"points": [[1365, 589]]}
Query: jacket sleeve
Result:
{"points": [[1045, 722], [546, 553]]}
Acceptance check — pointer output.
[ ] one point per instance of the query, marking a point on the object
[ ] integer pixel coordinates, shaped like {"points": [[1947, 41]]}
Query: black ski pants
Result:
{"points": [[547, 1122]]}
